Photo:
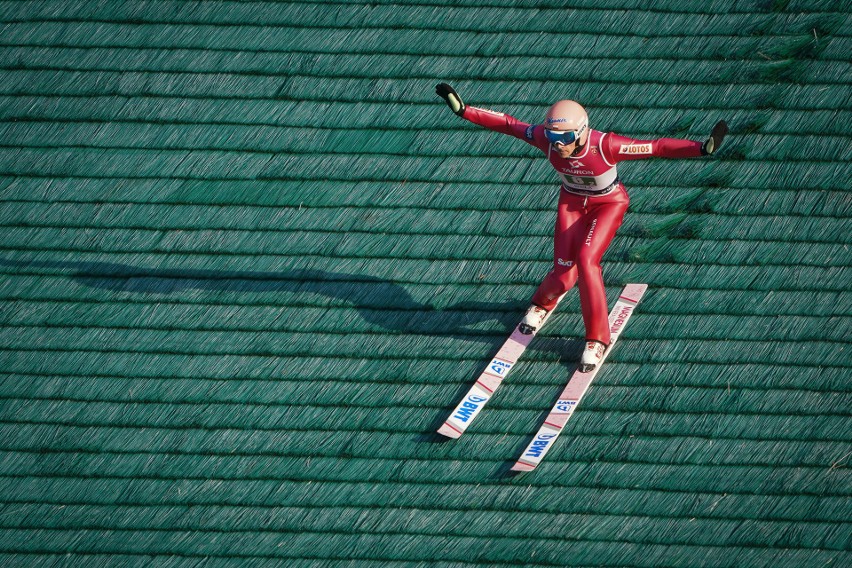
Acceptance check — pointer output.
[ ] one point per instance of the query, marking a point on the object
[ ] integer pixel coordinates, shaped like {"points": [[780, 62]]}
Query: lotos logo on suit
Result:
{"points": [[636, 149]]}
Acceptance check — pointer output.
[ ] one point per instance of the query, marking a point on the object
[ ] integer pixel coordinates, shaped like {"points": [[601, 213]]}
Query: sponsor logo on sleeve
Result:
{"points": [[529, 131], [492, 112], [636, 149]]}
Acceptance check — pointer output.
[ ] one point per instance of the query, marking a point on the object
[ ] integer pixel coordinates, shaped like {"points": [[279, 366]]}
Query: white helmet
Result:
{"points": [[566, 122]]}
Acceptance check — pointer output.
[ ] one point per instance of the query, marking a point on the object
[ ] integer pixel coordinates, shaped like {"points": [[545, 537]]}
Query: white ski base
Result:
{"points": [[483, 389], [578, 384]]}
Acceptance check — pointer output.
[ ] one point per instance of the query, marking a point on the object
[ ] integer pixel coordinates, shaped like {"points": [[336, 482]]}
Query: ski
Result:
{"points": [[578, 384], [483, 389]]}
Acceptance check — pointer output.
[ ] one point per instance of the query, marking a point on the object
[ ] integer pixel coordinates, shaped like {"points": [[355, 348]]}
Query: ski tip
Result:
{"points": [[635, 291], [449, 431], [521, 466]]}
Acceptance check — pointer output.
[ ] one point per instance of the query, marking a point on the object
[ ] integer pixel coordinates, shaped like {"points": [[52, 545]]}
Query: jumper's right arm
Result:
{"points": [[496, 121], [499, 122]]}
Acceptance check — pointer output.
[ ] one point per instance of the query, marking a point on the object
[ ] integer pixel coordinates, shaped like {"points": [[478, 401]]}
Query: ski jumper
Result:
{"points": [[591, 206]]}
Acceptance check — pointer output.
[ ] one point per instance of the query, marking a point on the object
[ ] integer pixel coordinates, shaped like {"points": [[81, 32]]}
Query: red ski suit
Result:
{"points": [[591, 206]]}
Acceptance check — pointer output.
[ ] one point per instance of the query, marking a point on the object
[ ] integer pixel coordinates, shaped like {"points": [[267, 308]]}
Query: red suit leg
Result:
{"points": [[584, 229]]}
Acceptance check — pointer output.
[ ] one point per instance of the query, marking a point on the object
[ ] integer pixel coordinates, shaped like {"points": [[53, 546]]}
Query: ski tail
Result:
{"points": [[486, 384], [578, 384]]}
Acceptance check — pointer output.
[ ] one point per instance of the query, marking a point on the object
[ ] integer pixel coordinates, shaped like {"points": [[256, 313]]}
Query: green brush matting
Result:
{"points": [[249, 262]]}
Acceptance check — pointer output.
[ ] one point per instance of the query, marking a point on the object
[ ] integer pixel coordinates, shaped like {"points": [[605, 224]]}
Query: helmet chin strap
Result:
{"points": [[579, 147]]}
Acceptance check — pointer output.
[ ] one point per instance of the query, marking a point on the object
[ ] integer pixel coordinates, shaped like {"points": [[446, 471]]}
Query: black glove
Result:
{"points": [[451, 97], [716, 136]]}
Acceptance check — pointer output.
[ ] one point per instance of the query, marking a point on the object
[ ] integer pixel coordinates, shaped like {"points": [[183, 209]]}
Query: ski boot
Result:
{"points": [[532, 320], [592, 355]]}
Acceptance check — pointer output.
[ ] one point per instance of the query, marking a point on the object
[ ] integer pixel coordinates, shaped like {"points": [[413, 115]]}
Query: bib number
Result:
{"points": [[578, 181]]}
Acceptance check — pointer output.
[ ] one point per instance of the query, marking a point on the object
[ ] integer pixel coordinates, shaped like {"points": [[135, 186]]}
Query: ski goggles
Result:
{"points": [[564, 137]]}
